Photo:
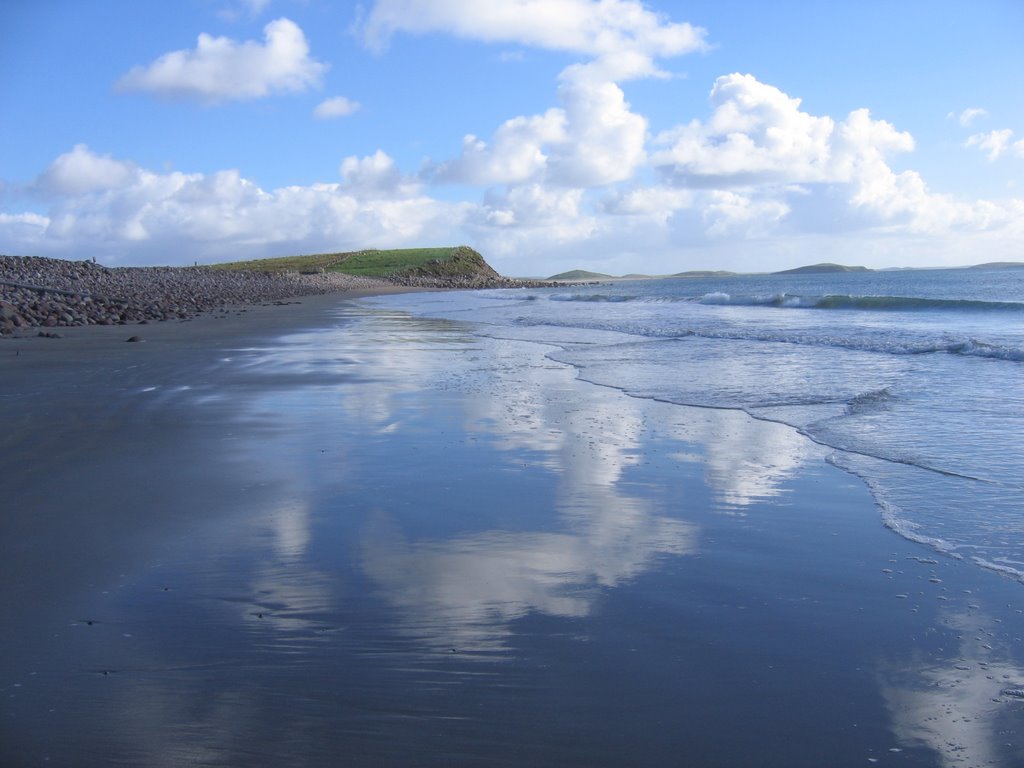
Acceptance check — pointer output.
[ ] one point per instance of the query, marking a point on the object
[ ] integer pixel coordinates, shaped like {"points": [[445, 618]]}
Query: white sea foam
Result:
{"points": [[716, 298]]}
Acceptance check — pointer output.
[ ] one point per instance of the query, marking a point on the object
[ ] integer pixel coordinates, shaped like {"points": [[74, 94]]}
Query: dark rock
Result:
{"points": [[37, 291]]}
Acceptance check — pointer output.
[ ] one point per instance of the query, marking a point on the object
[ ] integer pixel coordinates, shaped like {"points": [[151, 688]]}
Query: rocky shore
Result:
{"points": [[45, 293]]}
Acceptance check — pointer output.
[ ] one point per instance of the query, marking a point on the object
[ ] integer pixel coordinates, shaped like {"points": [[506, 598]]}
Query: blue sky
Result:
{"points": [[615, 135]]}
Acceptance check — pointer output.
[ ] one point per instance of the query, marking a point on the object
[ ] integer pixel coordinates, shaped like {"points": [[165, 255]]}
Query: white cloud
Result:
{"points": [[25, 227], [657, 202], [594, 139], [376, 175], [515, 221], [516, 153], [151, 217], [81, 171], [219, 69], [605, 141], [532, 207], [968, 116], [756, 134], [994, 143], [581, 184], [622, 34], [729, 213], [758, 140], [336, 106]]}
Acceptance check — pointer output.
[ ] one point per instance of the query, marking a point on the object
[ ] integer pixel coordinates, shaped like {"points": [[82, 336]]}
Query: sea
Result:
{"points": [[913, 380]]}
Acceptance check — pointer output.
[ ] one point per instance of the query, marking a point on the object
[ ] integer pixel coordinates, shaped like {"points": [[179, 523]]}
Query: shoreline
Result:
{"points": [[234, 321]]}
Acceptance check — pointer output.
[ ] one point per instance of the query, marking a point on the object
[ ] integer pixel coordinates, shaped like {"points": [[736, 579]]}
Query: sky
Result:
{"points": [[618, 136]]}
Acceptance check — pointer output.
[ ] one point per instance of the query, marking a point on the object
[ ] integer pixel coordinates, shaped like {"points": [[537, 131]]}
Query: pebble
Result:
{"points": [[41, 292]]}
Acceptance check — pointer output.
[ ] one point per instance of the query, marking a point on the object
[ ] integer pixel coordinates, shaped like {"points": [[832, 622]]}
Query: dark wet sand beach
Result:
{"points": [[323, 534]]}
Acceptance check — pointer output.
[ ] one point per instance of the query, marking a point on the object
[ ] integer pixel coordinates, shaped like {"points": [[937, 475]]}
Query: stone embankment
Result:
{"points": [[38, 292], [48, 293]]}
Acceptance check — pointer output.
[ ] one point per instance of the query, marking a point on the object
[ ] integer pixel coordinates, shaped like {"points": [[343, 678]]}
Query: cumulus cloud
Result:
{"points": [[517, 152], [514, 221], [759, 143], [580, 183], [996, 143], [623, 35], [376, 175], [115, 210], [533, 207], [220, 69], [336, 106], [655, 201], [758, 134], [606, 140], [23, 227], [730, 213], [82, 171], [593, 139]]}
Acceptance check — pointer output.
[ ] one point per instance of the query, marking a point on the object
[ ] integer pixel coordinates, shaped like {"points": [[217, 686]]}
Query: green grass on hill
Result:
{"points": [[308, 263], [384, 263], [372, 263]]}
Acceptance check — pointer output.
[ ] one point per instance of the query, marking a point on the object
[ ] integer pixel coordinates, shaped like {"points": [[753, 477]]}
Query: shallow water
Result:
{"points": [[397, 541], [915, 378]]}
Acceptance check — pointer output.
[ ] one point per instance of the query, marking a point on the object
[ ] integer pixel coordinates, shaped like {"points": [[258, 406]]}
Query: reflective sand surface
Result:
{"points": [[394, 542]]}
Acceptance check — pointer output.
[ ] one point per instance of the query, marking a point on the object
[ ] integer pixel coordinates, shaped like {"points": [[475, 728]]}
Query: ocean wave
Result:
{"points": [[720, 298], [870, 402], [974, 348], [592, 297], [908, 303], [863, 303], [887, 344], [798, 301]]}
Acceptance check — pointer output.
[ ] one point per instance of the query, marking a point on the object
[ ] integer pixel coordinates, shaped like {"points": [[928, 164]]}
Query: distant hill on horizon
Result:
{"points": [[580, 274], [705, 273], [823, 268], [819, 269], [584, 274], [1000, 265]]}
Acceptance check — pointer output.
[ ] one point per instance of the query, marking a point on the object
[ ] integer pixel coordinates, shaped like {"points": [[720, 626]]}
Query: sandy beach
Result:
{"points": [[322, 533]]}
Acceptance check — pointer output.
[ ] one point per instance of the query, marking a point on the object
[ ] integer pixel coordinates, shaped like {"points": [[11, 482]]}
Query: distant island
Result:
{"points": [[820, 269], [583, 274], [1000, 265], [811, 269], [704, 273], [580, 274], [825, 268]]}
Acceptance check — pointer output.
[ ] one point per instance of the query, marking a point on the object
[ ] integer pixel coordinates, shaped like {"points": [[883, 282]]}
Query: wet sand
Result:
{"points": [[321, 534]]}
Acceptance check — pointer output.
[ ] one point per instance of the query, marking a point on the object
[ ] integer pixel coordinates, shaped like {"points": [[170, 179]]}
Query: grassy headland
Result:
{"points": [[36, 291], [456, 261]]}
